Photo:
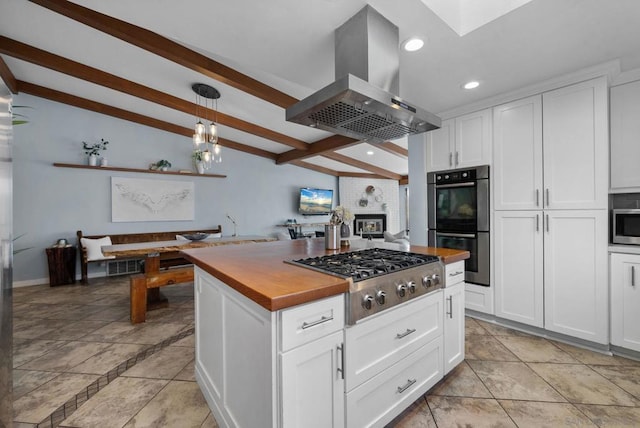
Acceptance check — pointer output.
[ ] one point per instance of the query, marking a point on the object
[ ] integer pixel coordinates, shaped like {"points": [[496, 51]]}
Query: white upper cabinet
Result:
{"points": [[551, 152], [440, 146], [473, 139], [461, 142], [517, 159], [575, 138], [625, 137]]}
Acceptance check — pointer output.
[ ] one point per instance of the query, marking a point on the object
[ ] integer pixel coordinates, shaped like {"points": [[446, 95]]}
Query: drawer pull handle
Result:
{"points": [[320, 321], [406, 333], [341, 368], [402, 389], [460, 272]]}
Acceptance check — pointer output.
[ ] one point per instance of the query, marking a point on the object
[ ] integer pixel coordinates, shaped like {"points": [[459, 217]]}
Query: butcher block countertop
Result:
{"points": [[258, 270]]}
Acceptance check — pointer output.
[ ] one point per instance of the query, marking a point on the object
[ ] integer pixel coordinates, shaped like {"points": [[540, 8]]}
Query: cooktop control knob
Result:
{"points": [[431, 280], [381, 297], [435, 278], [426, 281], [367, 301], [411, 286], [401, 289]]}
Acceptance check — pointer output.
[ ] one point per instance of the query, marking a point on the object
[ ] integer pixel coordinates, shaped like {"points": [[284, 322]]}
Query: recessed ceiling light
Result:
{"points": [[471, 85], [370, 152], [413, 44]]}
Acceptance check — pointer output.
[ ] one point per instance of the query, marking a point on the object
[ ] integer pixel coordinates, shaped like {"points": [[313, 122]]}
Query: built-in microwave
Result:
{"points": [[626, 226]]}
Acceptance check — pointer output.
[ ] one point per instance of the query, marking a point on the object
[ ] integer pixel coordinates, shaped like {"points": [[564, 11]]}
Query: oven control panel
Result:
{"points": [[457, 176]]}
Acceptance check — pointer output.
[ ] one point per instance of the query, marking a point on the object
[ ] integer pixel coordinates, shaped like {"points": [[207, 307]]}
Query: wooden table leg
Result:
{"points": [[155, 299], [138, 284]]}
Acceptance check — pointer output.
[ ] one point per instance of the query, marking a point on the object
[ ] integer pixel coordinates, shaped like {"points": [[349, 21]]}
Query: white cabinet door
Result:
{"points": [[575, 135], [625, 300], [518, 266], [461, 142], [453, 326], [517, 155], [575, 274], [313, 384], [473, 139], [625, 134], [440, 146]]}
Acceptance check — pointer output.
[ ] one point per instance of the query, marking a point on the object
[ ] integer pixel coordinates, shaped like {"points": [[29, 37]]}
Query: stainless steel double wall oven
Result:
{"points": [[458, 216]]}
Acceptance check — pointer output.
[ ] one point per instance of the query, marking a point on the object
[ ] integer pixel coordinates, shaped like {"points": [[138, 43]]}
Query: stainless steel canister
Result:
{"points": [[331, 236]]}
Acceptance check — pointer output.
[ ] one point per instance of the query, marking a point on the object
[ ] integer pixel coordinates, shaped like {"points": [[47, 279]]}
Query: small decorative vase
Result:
{"points": [[104, 162], [200, 167], [345, 233], [93, 160]]}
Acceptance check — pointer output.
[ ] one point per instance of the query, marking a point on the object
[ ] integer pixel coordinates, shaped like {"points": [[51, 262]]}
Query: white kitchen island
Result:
{"points": [[273, 349]]}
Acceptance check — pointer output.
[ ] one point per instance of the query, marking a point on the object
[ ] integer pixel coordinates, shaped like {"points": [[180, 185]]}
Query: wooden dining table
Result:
{"points": [[145, 288]]}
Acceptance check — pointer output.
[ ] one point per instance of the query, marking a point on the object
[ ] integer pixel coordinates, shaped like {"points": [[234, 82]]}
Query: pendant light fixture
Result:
{"points": [[206, 135]]}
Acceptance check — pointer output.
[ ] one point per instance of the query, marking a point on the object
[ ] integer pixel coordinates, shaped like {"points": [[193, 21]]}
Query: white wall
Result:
{"points": [[385, 199], [52, 203]]}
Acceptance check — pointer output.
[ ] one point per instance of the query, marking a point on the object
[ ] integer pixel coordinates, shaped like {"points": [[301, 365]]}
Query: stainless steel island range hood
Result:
{"points": [[361, 103]]}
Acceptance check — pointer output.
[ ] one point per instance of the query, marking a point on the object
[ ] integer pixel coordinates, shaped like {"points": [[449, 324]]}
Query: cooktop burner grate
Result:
{"points": [[365, 264]]}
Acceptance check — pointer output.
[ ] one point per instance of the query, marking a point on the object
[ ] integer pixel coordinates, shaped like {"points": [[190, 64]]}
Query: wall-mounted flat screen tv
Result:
{"points": [[315, 201]]}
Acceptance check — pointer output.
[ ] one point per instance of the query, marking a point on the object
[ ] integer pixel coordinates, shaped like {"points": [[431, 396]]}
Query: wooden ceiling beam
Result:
{"points": [[83, 103], [404, 180], [362, 165], [328, 144], [75, 69], [394, 149], [167, 48], [7, 77], [317, 168], [360, 175]]}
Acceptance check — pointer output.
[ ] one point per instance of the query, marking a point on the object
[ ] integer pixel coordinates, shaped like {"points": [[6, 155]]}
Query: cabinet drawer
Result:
{"points": [[378, 401], [454, 273], [383, 340], [304, 323]]}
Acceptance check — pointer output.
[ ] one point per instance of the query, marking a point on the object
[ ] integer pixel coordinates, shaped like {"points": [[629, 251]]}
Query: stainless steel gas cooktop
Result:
{"points": [[380, 278]]}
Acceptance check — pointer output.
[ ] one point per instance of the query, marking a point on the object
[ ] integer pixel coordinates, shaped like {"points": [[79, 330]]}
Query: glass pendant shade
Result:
{"points": [[213, 133], [200, 128], [206, 155], [217, 153], [197, 140]]}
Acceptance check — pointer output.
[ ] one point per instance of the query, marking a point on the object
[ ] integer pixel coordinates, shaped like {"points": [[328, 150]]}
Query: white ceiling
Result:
{"points": [[288, 44]]}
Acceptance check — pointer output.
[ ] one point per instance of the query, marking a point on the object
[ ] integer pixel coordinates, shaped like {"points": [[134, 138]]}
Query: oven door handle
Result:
{"points": [[457, 235], [452, 185]]}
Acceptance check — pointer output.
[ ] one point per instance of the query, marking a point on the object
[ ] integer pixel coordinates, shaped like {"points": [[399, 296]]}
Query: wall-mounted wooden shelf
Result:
{"points": [[144, 171]]}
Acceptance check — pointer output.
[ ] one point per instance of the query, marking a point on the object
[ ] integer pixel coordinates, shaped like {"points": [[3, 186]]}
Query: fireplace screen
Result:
{"points": [[370, 225]]}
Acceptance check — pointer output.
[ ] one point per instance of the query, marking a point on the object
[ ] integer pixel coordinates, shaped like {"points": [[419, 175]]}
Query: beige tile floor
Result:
{"points": [[78, 362]]}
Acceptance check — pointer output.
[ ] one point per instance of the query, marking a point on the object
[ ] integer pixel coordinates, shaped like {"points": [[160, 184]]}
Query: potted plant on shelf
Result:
{"points": [[94, 150], [198, 159], [161, 165]]}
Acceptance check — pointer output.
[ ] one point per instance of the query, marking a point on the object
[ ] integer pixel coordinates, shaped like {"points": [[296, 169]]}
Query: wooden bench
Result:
{"points": [[142, 283], [166, 260]]}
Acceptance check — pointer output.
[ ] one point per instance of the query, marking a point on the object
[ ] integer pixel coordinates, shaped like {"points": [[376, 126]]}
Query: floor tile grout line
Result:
{"points": [[579, 362], [61, 413]]}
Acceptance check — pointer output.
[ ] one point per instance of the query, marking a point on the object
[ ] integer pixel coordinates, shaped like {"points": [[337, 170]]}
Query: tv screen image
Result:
{"points": [[315, 201]]}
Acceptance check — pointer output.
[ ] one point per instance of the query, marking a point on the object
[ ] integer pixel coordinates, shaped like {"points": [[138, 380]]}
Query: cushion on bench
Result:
{"points": [[94, 248]]}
